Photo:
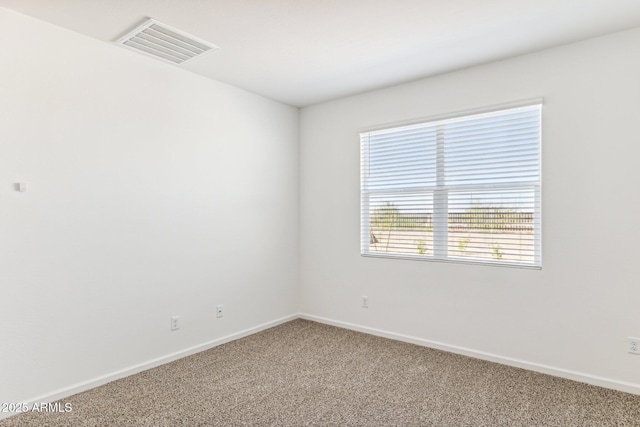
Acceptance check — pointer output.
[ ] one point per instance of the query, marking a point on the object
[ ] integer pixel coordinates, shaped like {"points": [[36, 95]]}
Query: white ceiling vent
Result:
{"points": [[163, 42]]}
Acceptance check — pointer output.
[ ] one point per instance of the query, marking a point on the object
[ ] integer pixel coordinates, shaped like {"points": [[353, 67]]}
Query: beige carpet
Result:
{"points": [[306, 373]]}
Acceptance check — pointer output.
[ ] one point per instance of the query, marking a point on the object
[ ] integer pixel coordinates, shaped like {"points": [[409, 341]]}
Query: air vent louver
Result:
{"points": [[163, 42]]}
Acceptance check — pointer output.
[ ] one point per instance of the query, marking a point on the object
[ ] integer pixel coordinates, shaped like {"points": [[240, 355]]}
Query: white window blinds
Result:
{"points": [[460, 189]]}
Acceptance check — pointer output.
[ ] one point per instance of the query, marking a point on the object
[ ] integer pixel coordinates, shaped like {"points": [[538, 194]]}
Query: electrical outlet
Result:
{"points": [[175, 323], [365, 302], [634, 345], [219, 311]]}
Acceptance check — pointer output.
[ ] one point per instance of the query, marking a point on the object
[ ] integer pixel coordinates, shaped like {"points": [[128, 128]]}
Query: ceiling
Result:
{"points": [[302, 52]]}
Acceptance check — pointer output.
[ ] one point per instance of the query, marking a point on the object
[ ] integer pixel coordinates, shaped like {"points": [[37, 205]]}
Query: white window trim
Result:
{"points": [[453, 115]]}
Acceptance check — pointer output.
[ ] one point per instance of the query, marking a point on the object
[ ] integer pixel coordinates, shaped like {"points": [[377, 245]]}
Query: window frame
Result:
{"points": [[441, 190]]}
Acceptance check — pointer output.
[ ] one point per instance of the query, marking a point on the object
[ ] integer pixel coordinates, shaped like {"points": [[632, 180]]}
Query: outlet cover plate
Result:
{"points": [[175, 323]]}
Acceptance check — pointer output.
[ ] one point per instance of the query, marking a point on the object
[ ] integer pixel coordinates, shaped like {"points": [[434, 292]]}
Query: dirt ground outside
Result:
{"points": [[508, 247]]}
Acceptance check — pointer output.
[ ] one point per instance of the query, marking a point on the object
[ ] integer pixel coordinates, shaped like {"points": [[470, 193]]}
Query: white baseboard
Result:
{"points": [[87, 385], [537, 367]]}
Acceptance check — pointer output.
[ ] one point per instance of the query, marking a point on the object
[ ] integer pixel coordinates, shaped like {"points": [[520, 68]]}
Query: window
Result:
{"points": [[463, 189]]}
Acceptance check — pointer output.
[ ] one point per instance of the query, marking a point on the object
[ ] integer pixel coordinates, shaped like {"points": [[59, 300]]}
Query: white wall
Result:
{"points": [[573, 315], [152, 192]]}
